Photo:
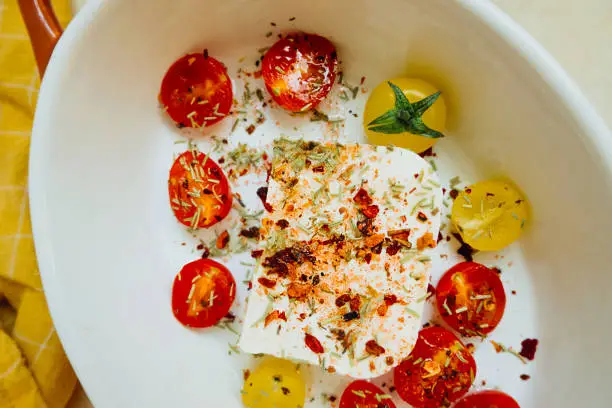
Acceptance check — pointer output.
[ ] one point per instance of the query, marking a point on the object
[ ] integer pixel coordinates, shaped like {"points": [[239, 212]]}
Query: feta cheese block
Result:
{"points": [[342, 279]]}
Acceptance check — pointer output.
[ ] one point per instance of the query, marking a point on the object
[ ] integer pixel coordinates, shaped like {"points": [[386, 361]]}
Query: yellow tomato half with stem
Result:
{"points": [[490, 214], [405, 112], [275, 383]]}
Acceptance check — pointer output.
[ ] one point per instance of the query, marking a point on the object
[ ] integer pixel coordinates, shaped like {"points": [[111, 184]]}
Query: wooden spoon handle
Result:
{"points": [[43, 28]]}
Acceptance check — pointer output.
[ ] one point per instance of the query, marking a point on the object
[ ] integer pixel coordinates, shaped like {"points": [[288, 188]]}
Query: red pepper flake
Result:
{"points": [[268, 283], [256, 253], [525, 377], [468, 191], [389, 361], [252, 232], [421, 216], [297, 290], [250, 129], [464, 250], [528, 348], [222, 240], [362, 198], [498, 347], [342, 300], [371, 211], [393, 248], [368, 258], [318, 169], [427, 153], [355, 303], [262, 193], [282, 224], [454, 193], [313, 344], [205, 253], [496, 270], [200, 247], [390, 300], [373, 240], [382, 310], [275, 315], [373, 348], [246, 374]]}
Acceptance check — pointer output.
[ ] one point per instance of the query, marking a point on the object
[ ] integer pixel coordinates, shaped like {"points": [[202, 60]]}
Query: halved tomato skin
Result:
{"points": [[438, 371], [299, 71], [471, 299], [487, 399], [364, 394], [200, 194], [196, 91], [203, 293]]}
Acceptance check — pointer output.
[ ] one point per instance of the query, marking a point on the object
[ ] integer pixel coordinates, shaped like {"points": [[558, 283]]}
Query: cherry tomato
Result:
{"points": [[487, 399], [200, 194], [471, 298], [196, 91], [490, 215], [203, 293], [274, 383], [363, 394], [299, 70], [399, 130], [438, 371]]}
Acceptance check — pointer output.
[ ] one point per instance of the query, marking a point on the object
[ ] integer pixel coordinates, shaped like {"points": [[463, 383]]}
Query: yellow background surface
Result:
{"points": [[34, 371]]}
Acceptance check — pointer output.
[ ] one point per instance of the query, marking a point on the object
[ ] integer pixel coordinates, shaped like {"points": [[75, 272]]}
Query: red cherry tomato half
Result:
{"points": [[299, 71], [200, 194], [438, 371], [364, 394], [471, 298], [203, 293], [196, 91], [487, 399]]}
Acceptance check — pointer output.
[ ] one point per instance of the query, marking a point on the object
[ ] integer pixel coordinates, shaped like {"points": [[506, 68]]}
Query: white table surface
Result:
{"points": [[578, 33]]}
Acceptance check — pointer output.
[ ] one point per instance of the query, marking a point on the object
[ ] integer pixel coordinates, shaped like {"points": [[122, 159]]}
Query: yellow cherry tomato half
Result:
{"points": [[490, 215], [275, 383], [416, 129]]}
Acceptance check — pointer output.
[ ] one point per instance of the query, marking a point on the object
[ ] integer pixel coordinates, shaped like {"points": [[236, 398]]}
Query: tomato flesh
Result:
{"points": [[299, 71], [196, 91], [487, 399], [471, 298], [203, 293], [199, 191], [275, 383], [364, 394], [490, 214], [438, 371]]}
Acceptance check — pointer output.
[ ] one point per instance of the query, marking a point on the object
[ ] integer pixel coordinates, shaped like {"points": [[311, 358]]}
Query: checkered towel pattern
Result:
{"points": [[34, 371]]}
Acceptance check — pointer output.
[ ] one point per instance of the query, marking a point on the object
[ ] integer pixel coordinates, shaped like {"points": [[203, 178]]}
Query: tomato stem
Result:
{"points": [[406, 116]]}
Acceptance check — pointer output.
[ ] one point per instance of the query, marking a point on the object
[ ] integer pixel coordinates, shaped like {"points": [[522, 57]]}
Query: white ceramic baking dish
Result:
{"points": [[100, 155]]}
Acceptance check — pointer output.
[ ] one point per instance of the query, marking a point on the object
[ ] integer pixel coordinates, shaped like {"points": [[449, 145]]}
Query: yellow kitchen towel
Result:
{"points": [[34, 371]]}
